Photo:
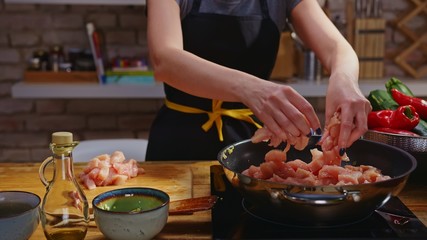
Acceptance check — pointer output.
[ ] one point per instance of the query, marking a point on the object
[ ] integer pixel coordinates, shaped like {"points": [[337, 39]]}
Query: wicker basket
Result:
{"points": [[408, 143]]}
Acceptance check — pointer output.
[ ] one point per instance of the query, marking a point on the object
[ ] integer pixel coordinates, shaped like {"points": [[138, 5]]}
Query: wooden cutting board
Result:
{"points": [[174, 179]]}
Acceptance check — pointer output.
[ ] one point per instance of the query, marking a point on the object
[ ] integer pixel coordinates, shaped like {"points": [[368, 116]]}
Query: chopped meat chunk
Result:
{"points": [[105, 169]]}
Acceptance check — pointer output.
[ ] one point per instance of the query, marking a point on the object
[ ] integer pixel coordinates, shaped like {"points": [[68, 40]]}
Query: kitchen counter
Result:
{"points": [[181, 180], [304, 87]]}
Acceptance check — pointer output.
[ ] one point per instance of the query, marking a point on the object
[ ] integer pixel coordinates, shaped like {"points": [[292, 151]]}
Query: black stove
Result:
{"points": [[235, 218]]}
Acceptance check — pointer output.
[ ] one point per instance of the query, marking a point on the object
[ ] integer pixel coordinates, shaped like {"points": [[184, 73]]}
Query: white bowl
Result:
{"points": [[120, 215], [19, 214]]}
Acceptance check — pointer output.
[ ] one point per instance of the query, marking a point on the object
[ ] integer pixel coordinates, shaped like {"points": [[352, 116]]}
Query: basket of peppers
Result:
{"points": [[398, 118]]}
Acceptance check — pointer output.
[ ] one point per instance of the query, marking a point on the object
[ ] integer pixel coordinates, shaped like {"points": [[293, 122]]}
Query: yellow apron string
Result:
{"points": [[215, 115]]}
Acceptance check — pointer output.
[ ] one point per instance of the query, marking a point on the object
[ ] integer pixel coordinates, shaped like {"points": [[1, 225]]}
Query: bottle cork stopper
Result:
{"points": [[62, 137]]}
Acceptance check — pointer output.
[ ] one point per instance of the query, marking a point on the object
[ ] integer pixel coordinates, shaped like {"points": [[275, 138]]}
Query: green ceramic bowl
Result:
{"points": [[131, 213]]}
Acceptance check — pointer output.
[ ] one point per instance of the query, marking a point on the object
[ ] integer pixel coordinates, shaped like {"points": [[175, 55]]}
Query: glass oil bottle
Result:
{"points": [[65, 209]]}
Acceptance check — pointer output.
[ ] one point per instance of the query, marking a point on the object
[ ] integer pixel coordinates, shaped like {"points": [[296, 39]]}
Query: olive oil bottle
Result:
{"points": [[65, 210]]}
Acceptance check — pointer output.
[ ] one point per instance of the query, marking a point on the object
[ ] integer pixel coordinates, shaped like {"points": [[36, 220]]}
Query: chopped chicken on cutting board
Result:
{"points": [[105, 169]]}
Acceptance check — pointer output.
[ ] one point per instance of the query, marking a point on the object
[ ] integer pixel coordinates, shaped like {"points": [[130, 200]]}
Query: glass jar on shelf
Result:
{"points": [[56, 57]]}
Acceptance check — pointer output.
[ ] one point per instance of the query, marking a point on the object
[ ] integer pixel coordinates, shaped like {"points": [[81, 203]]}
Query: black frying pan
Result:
{"points": [[317, 205]]}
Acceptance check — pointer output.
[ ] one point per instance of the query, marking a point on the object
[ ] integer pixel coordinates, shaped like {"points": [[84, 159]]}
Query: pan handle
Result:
{"points": [[319, 199]]}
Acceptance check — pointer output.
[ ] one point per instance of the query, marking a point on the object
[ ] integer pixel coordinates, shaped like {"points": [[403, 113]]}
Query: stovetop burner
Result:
{"points": [[251, 209], [234, 218]]}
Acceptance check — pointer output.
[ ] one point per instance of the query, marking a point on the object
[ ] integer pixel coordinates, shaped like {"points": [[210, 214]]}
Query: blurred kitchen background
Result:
{"points": [[389, 36]]}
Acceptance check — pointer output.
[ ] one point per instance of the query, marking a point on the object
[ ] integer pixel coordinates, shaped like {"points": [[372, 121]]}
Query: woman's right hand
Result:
{"points": [[283, 110]]}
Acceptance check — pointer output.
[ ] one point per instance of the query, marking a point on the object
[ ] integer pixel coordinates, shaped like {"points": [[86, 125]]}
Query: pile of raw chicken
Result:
{"points": [[324, 169], [105, 169]]}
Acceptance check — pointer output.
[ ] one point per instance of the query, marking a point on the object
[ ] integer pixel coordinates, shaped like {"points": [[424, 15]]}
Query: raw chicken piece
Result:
{"points": [[329, 141], [275, 155], [104, 170], [264, 134]]}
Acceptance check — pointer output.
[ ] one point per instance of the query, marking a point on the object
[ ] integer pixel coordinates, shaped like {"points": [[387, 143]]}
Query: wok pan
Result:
{"points": [[321, 206]]}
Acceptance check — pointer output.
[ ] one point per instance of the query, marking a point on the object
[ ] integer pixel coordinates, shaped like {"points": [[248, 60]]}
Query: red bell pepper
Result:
{"points": [[404, 118], [419, 104], [396, 131]]}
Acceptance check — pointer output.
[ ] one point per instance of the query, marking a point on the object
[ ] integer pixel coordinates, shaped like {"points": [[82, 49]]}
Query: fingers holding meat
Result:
{"points": [[330, 139], [284, 111], [328, 142]]}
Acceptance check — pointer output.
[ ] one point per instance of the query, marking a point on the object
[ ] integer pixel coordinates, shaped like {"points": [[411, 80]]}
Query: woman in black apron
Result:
{"points": [[213, 66]]}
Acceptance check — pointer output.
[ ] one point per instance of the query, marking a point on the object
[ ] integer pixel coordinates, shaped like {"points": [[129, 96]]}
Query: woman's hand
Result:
{"points": [[343, 95], [283, 111], [339, 58]]}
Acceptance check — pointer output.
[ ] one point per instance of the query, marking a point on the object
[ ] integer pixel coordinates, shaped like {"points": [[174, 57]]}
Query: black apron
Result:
{"points": [[245, 43]]}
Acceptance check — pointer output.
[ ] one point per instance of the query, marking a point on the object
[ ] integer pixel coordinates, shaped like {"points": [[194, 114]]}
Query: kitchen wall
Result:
{"points": [[26, 124]]}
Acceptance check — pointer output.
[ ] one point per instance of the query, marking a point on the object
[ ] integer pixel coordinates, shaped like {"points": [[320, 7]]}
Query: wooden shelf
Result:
{"points": [[60, 77], [86, 90], [87, 2], [70, 91]]}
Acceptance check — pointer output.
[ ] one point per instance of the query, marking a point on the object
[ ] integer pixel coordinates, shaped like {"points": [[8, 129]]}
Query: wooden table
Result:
{"points": [[180, 180]]}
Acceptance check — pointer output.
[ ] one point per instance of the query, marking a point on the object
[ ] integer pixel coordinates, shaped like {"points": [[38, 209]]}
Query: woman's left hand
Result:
{"points": [[344, 95]]}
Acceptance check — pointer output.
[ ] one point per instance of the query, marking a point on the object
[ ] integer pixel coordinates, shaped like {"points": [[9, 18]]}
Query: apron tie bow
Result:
{"points": [[215, 116]]}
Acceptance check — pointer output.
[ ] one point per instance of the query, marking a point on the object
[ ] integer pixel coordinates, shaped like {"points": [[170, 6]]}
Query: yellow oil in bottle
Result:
{"points": [[65, 235]]}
